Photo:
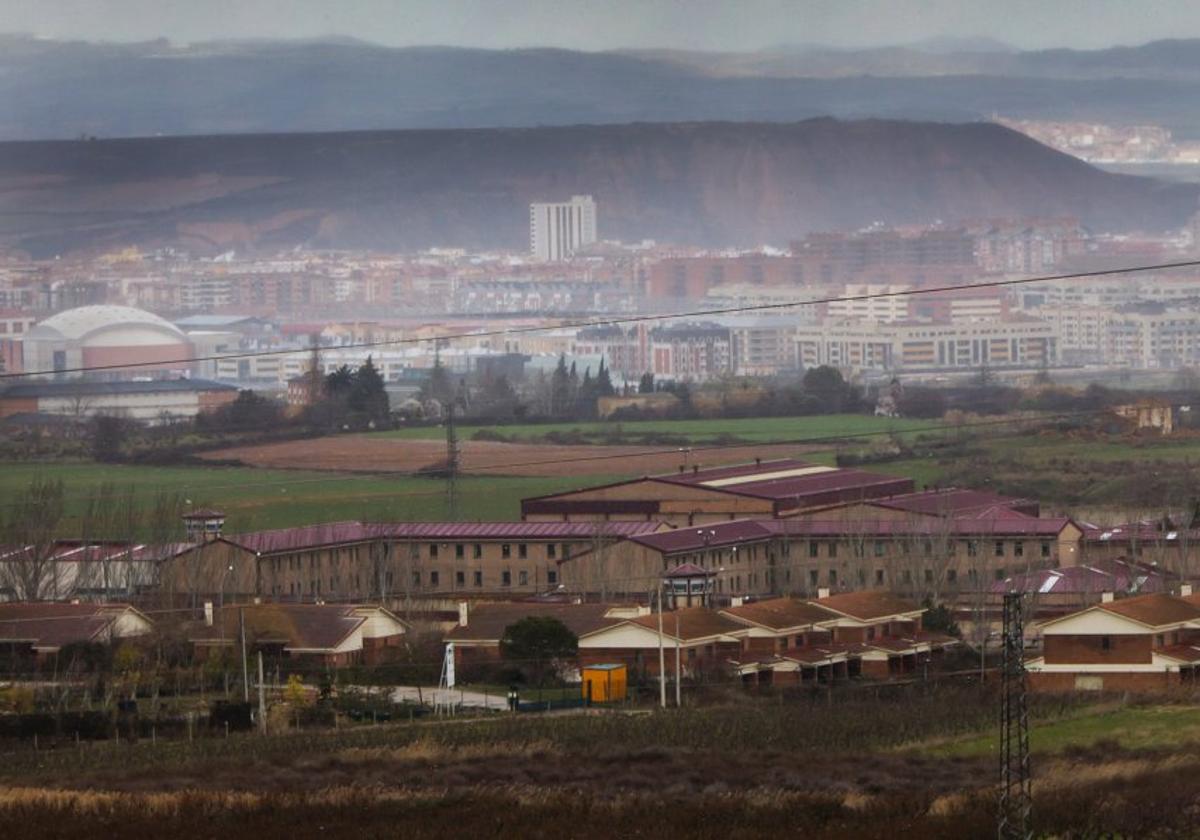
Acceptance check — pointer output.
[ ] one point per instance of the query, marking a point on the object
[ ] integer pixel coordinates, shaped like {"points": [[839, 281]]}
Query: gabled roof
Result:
{"points": [[50, 626], [780, 613], [487, 622], [1154, 610], [299, 627], [692, 623], [868, 605]]}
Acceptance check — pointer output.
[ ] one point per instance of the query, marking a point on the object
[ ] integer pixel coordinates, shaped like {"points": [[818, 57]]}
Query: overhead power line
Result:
{"points": [[627, 319]]}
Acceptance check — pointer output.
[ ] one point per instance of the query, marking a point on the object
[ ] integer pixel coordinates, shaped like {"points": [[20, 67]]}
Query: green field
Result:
{"points": [[758, 429], [256, 499], [1132, 728]]}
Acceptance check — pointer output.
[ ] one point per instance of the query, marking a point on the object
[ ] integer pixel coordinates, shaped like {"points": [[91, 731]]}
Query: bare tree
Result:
{"points": [[29, 570]]}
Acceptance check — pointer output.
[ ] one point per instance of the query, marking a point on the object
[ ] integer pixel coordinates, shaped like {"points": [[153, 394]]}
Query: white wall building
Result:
{"points": [[557, 229]]}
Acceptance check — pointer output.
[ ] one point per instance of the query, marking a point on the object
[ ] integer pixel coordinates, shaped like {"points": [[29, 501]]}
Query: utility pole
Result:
{"points": [[245, 668], [262, 698], [451, 465], [1016, 794], [662, 657], [678, 669]]}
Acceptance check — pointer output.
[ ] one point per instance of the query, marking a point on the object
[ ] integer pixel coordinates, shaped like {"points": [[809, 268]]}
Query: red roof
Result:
{"points": [[688, 570], [342, 533], [868, 604], [50, 626], [964, 527], [718, 535], [959, 502]]}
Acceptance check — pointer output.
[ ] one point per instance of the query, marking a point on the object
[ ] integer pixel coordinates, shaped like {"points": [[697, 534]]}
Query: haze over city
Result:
{"points": [[692, 419]]}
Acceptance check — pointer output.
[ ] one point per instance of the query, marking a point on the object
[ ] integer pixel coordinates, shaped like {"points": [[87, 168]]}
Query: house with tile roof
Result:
{"points": [[334, 635], [1146, 643], [32, 631], [870, 633]]}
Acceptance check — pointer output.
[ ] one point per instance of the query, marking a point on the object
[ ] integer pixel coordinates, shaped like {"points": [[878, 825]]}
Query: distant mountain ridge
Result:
{"points": [[59, 89], [712, 184]]}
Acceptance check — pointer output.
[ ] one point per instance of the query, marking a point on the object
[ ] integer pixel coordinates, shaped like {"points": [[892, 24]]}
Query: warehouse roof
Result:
{"points": [[89, 388]]}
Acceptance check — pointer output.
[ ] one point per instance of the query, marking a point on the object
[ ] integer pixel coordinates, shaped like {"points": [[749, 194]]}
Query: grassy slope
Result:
{"points": [[255, 499], [1133, 728]]}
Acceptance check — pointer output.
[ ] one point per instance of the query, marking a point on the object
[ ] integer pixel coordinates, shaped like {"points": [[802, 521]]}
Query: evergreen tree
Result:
{"points": [[604, 386], [560, 388], [438, 386], [646, 384], [367, 396]]}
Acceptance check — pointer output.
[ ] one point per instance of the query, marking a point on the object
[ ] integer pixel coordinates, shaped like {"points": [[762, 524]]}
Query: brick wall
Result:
{"points": [[1089, 650]]}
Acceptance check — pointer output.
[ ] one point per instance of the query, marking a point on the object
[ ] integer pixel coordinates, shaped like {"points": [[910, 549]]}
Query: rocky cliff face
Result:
{"points": [[696, 183]]}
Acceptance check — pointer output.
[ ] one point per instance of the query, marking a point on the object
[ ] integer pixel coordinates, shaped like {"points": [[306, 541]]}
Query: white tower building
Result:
{"points": [[556, 230]]}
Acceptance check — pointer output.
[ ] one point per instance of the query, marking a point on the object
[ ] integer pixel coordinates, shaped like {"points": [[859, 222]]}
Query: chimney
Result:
{"points": [[823, 592], [208, 613], [463, 607], [1106, 597], [1185, 590]]}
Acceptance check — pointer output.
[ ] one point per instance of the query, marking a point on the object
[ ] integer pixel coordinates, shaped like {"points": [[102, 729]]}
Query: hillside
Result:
{"points": [[697, 183], [59, 89]]}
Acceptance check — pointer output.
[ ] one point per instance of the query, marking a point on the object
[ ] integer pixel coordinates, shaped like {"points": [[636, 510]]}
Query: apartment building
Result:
{"points": [[1014, 342], [343, 561], [558, 229]]}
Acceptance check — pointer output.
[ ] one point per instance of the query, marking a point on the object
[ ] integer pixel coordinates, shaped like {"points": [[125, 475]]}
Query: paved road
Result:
{"points": [[467, 699]]}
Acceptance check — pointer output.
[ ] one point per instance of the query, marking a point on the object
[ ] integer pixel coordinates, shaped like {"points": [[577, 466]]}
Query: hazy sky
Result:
{"points": [[605, 24]]}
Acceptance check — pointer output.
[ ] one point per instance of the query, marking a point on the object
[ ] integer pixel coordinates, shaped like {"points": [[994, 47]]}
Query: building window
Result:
{"points": [[833, 549], [522, 551], [1000, 573], [434, 579], [479, 578], [907, 576], [522, 578], [551, 550], [999, 548], [813, 577], [879, 577], [506, 551], [833, 577], [878, 548], [1106, 643], [416, 578], [870, 634], [972, 548], [506, 578], [433, 551], [1045, 549], [460, 578], [477, 551], [951, 575], [552, 577], [1018, 549], [460, 551]]}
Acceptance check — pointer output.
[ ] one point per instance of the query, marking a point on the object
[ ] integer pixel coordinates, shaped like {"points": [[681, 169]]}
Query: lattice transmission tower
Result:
{"points": [[1016, 794]]}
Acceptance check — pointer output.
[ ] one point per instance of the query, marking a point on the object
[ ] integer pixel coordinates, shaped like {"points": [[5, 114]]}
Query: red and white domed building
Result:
{"points": [[92, 336]]}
